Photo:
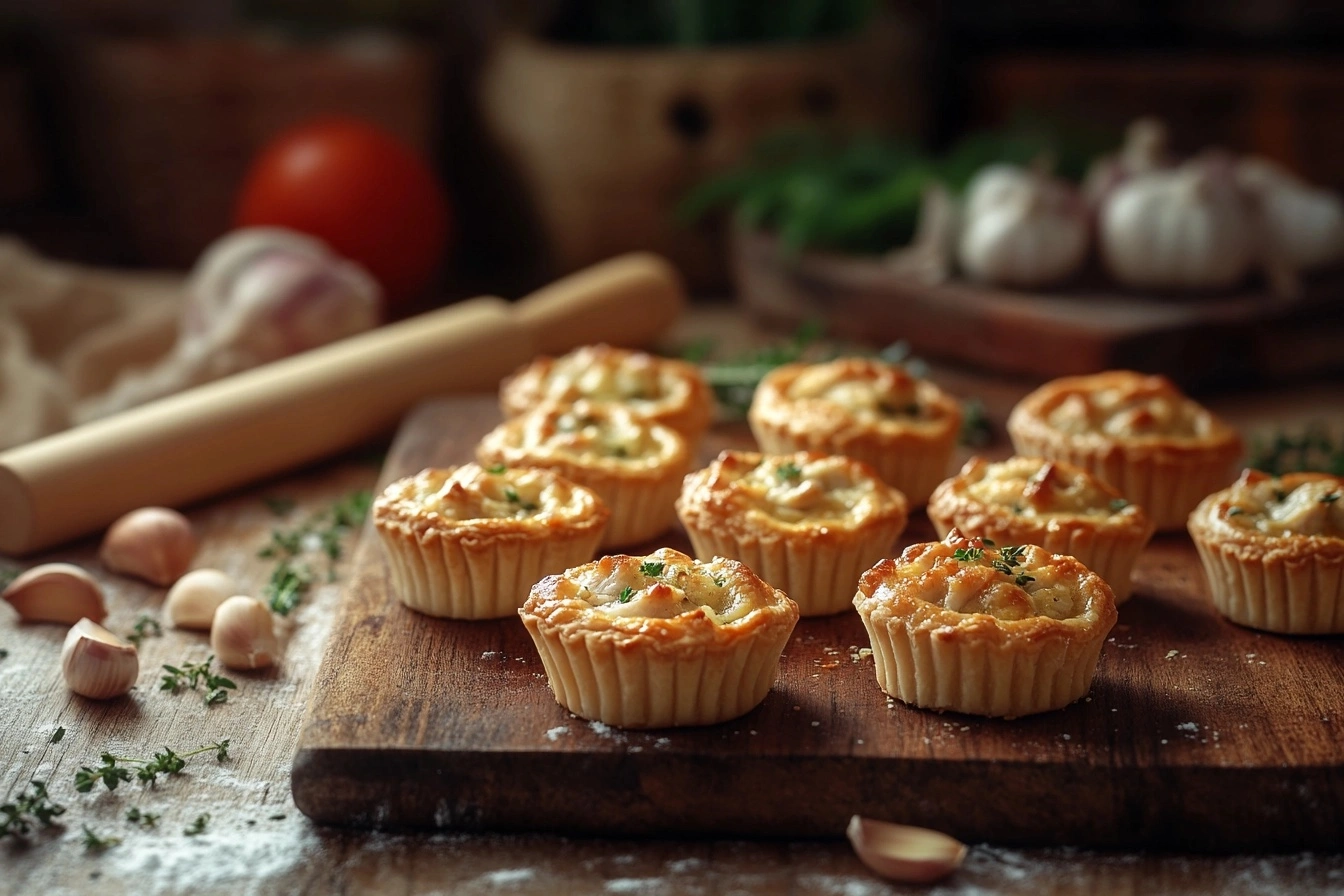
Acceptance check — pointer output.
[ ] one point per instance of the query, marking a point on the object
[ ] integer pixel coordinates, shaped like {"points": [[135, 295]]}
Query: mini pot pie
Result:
{"points": [[973, 627], [1273, 549], [659, 641], [467, 543], [809, 524], [1053, 504], [635, 465], [667, 391], [902, 427], [1136, 432]]}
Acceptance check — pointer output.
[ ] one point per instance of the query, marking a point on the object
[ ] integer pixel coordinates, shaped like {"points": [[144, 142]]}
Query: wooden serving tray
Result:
{"points": [[1197, 735]]}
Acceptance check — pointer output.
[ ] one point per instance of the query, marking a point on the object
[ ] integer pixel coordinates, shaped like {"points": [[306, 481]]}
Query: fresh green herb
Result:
{"points": [[734, 380], [1316, 448], [987, 542], [165, 762], [511, 495], [1011, 555], [1330, 498], [189, 675], [95, 843], [33, 808], [3, 653], [788, 470], [279, 505], [1235, 511], [651, 568], [976, 429], [145, 627], [292, 577], [719, 581], [496, 469], [620, 451], [144, 819], [1018, 508], [968, 555], [1022, 580], [57, 735], [1118, 505], [626, 593], [8, 573], [279, 816], [197, 827]]}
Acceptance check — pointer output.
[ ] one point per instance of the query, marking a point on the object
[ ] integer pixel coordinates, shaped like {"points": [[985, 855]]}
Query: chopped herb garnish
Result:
{"points": [[1118, 505], [198, 826], [968, 555], [145, 627], [511, 496], [719, 581], [57, 735], [32, 808], [144, 819], [788, 470], [1012, 555], [626, 593], [189, 675], [1330, 498], [496, 469], [1023, 579], [1235, 511], [95, 843], [976, 429], [1314, 449], [651, 568], [987, 542], [292, 577], [1018, 508], [147, 771]]}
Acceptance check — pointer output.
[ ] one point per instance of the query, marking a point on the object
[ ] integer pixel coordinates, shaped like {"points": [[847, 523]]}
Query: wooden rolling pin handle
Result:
{"points": [[264, 421]]}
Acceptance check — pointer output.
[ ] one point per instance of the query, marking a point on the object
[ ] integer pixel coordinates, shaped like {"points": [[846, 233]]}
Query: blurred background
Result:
{"points": [[803, 158]]}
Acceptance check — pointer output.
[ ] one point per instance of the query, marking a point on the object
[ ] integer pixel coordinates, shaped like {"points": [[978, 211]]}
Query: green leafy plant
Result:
{"points": [[293, 576], [1314, 448], [116, 770], [31, 809], [189, 675]]}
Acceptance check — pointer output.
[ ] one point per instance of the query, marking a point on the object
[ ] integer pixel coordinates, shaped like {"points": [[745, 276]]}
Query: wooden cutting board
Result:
{"points": [[1197, 735]]}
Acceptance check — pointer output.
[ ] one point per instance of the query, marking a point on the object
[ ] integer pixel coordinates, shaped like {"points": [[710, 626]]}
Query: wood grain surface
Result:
{"points": [[1197, 735]]}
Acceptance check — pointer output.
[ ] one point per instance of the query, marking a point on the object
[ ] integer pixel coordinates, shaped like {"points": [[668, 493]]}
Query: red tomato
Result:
{"points": [[366, 194]]}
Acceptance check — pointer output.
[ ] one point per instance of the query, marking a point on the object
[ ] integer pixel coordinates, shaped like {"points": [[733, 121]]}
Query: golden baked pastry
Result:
{"points": [[635, 465], [1136, 432], [809, 524], [991, 630], [658, 641], [467, 542], [1273, 549], [1052, 504], [667, 391], [902, 427]]}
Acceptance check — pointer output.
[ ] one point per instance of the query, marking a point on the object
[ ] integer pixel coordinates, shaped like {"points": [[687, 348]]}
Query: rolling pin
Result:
{"points": [[279, 416]]}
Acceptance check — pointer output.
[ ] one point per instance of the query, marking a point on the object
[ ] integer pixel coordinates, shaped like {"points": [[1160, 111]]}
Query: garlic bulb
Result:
{"points": [[1022, 229], [903, 853], [152, 543], [1189, 228], [194, 598], [242, 634], [256, 295], [56, 592], [96, 663], [1304, 224]]}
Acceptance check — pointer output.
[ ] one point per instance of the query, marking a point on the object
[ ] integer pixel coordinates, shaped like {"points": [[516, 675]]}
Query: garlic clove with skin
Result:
{"points": [[152, 543], [1304, 224], [1023, 229], [96, 663], [242, 634], [56, 592], [903, 853], [194, 598]]}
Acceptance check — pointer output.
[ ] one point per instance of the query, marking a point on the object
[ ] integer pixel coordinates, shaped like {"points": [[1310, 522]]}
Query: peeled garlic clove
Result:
{"points": [[96, 663], [194, 598], [56, 592], [153, 543], [243, 634], [903, 853]]}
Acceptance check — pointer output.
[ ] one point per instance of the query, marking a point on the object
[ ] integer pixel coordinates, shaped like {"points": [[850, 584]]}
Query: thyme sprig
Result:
{"points": [[189, 675], [143, 819], [652, 568], [294, 576], [31, 809], [115, 770], [93, 842], [1315, 448], [145, 627], [197, 827]]}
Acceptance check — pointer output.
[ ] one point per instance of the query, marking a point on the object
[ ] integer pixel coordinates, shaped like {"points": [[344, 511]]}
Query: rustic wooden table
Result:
{"points": [[257, 842]]}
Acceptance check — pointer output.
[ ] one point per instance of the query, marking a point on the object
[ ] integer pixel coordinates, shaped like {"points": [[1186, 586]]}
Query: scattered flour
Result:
{"points": [[555, 733], [507, 877]]}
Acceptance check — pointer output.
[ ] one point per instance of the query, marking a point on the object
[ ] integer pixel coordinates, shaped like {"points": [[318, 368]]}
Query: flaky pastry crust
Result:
{"points": [[634, 465], [659, 640], [664, 390], [1052, 504], [1273, 550], [903, 427], [467, 542], [1136, 432], [807, 523], [989, 630]]}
